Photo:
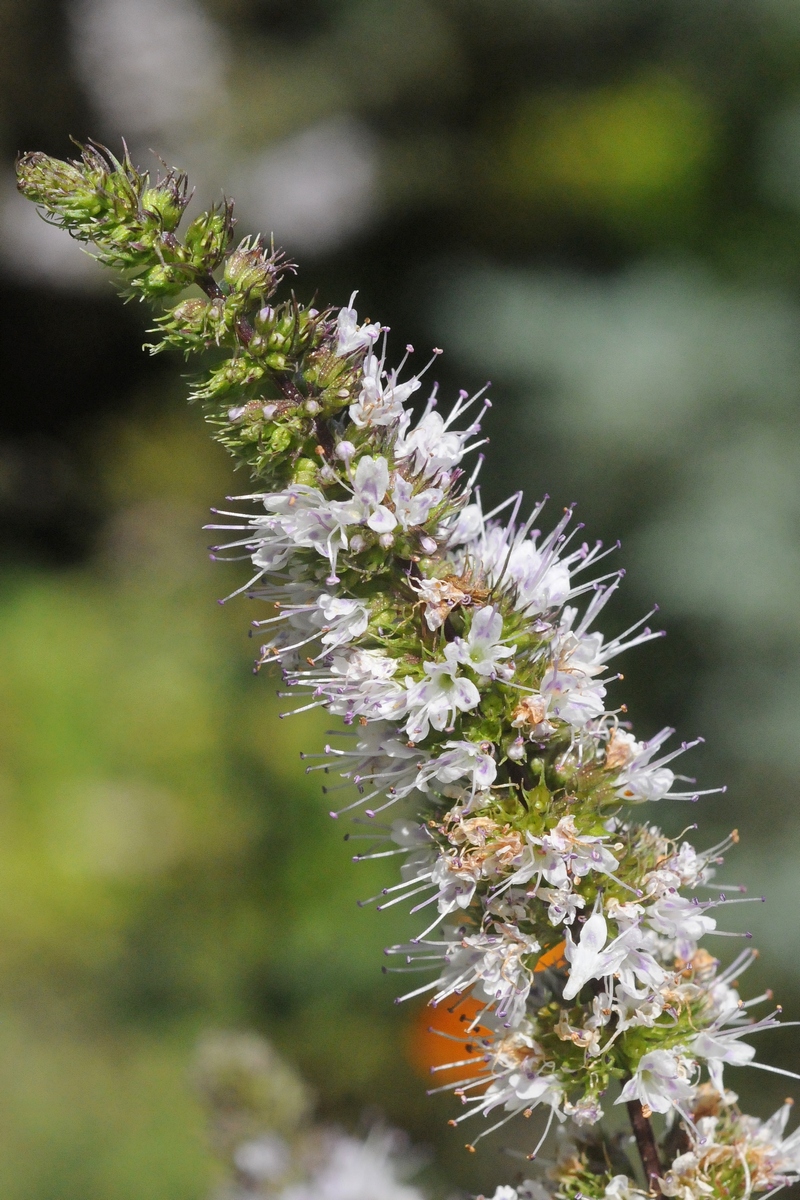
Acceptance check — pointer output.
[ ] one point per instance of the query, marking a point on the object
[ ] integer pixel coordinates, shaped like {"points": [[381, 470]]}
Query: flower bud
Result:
{"points": [[264, 319], [167, 200], [250, 270], [305, 471], [516, 751], [207, 237], [163, 280], [43, 179]]}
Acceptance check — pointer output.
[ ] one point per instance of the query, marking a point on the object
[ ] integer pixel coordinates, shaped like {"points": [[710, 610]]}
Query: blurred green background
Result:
{"points": [[594, 203]]}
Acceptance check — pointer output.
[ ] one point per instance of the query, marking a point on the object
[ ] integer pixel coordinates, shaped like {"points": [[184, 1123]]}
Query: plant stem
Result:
{"points": [[645, 1141]]}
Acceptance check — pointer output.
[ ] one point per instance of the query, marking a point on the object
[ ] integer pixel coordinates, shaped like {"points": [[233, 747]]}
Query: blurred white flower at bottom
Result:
{"points": [[356, 1170]]}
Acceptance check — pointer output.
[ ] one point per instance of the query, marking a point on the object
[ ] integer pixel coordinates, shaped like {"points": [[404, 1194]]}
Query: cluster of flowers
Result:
{"points": [[723, 1153], [459, 649], [473, 682]]}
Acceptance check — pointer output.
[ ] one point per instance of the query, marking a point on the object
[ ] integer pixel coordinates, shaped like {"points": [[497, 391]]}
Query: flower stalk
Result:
{"points": [[645, 1142], [460, 650]]}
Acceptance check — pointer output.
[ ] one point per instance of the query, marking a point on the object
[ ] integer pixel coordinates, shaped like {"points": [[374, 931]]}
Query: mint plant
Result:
{"points": [[459, 649]]}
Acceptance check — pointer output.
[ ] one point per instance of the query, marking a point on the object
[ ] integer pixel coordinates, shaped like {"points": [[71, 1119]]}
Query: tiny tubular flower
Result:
{"points": [[482, 649], [662, 1081], [437, 700], [350, 336]]}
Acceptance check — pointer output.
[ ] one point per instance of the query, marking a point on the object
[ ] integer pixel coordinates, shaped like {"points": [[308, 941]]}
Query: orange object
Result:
{"points": [[427, 1047], [552, 958], [431, 1037]]}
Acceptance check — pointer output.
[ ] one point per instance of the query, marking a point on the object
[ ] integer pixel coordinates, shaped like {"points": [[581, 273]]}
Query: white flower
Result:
{"points": [[563, 904], [413, 509], [620, 1187], [718, 1047], [587, 957], [541, 859], [638, 964], [582, 852], [687, 868], [456, 885], [370, 484], [586, 1111], [540, 580], [642, 782], [495, 963], [264, 1159], [564, 850], [343, 620], [677, 917], [625, 915], [662, 1081], [632, 1010], [459, 760], [353, 1170], [569, 687], [524, 1088], [504, 1192], [641, 779], [465, 527], [360, 684], [482, 649], [349, 335], [297, 518], [380, 403], [438, 699], [431, 446]]}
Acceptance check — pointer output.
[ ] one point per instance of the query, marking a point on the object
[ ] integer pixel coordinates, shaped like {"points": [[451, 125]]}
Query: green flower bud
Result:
{"points": [[264, 319], [192, 314], [280, 439], [207, 237], [162, 281], [251, 271], [46, 180], [167, 200], [305, 471]]}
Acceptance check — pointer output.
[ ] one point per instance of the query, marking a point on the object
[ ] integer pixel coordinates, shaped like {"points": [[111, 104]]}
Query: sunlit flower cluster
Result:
{"points": [[459, 648]]}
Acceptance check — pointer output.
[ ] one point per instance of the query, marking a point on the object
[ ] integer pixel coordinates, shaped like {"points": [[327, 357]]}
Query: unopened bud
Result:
{"points": [[167, 200], [250, 270], [207, 237]]}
